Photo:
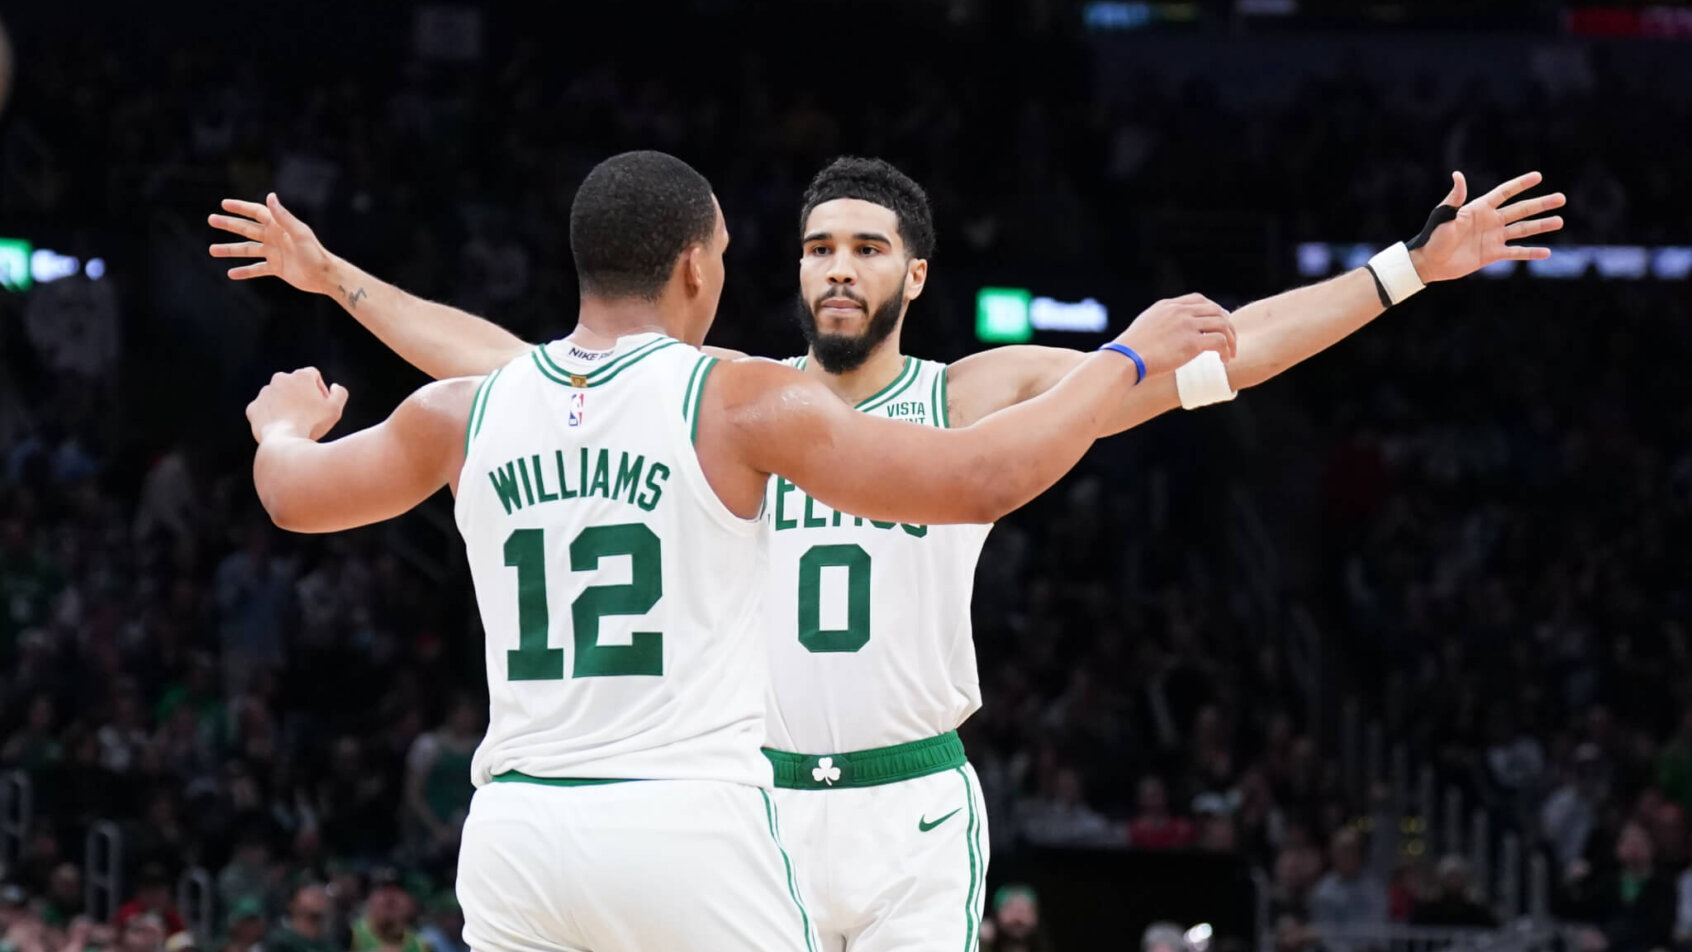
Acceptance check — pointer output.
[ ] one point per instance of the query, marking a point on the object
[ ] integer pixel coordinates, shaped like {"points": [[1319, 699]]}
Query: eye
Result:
{"points": [[817, 251], [867, 250]]}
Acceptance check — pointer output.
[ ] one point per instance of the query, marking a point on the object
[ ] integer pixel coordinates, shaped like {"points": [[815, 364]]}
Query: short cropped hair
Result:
{"points": [[633, 216], [873, 180]]}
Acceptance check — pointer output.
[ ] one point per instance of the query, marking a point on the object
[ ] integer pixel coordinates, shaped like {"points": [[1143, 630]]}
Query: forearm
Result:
{"points": [[1033, 444], [981, 472], [1278, 332], [439, 340], [312, 487]]}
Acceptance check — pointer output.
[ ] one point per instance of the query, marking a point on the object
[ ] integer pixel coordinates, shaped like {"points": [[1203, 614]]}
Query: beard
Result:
{"points": [[840, 353]]}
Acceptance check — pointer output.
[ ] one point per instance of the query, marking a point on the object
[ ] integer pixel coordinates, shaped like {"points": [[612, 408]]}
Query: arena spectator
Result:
{"points": [[1350, 894], [389, 917], [1635, 905], [245, 925], [1453, 902], [305, 927], [152, 898], [437, 777], [1014, 923], [1154, 827]]}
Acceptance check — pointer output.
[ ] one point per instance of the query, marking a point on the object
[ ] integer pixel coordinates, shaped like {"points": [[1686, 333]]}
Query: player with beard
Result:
{"points": [[868, 623]]}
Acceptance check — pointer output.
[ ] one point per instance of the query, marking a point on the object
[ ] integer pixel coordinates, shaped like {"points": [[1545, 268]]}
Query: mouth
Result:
{"points": [[839, 307]]}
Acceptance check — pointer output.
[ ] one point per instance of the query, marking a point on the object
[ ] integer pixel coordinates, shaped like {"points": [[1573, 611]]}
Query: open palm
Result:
{"points": [[1481, 232], [288, 246]]}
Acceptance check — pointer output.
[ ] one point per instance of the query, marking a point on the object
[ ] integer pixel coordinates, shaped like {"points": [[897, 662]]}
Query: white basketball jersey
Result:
{"points": [[619, 597], [868, 623]]}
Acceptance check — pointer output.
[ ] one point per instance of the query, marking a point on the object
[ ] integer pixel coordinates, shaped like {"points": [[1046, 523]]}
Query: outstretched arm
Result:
{"points": [[1277, 332], [439, 340], [366, 477], [761, 417]]}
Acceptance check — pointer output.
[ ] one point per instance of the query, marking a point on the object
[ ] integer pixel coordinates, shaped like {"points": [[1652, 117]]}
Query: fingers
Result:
{"points": [[1218, 342], [238, 249], [240, 226], [247, 271], [252, 210], [338, 397], [1196, 298], [1218, 326], [316, 377], [1459, 191], [1520, 253], [1532, 207], [1538, 226], [283, 215], [1507, 190]]}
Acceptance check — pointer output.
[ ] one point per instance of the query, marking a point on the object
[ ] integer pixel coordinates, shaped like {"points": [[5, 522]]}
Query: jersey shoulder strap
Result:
{"points": [[695, 394], [939, 410]]}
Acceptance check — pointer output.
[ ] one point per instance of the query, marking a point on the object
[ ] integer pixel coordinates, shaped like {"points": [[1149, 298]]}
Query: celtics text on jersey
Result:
{"points": [[867, 623]]}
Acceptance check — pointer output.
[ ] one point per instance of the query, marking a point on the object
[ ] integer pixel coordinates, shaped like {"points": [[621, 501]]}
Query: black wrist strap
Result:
{"points": [[1441, 214], [1386, 299]]}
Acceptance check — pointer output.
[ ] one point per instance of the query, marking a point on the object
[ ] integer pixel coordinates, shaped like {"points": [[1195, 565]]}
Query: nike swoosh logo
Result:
{"points": [[923, 826]]}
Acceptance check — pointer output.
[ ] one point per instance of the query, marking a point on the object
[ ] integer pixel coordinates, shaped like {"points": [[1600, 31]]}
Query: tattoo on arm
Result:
{"points": [[352, 296]]}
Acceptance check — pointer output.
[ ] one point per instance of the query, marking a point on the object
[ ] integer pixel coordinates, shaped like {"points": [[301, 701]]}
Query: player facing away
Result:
{"points": [[868, 626], [608, 487]]}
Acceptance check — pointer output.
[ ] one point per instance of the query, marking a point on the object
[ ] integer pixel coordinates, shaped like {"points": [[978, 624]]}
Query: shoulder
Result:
{"points": [[445, 402], [759, 398]]}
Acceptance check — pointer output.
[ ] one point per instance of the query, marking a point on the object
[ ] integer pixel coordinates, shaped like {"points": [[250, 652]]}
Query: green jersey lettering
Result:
{"points": [[505, 484], [783, 487], [654, 486], [601, 485], [627, 475], [540, 482]]}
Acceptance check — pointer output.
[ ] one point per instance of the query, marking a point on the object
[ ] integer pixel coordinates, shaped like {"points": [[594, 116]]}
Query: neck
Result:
{"points": [[601, 321], [869, 378]]}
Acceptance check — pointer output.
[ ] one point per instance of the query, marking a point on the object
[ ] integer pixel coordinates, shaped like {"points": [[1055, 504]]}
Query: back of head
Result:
{"points": [[877, 182], [633, 216]]}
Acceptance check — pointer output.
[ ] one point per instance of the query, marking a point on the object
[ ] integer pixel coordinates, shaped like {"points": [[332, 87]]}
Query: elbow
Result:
{"points": [[275, 499], [275, 506]]}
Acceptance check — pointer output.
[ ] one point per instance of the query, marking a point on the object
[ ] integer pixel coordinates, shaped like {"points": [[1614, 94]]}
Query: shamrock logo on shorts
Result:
{"points": [[825, 771]]}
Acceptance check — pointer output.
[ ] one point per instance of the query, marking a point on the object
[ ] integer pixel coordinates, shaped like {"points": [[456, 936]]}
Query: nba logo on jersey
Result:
{"points": [[578, 408]]}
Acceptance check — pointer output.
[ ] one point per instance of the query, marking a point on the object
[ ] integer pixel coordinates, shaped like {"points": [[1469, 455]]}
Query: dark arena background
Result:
{"points": [[1392, 652]]}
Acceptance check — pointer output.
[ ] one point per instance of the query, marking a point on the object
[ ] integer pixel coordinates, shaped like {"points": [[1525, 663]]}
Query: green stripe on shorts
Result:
{"points": [[977, 869], [792, 884]]}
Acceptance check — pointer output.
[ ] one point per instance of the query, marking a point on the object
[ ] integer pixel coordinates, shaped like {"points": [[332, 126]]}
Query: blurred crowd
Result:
{"points": [[1505, 477]]}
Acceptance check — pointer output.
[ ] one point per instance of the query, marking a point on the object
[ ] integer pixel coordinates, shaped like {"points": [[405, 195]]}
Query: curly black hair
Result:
{"points": [[874, 180], [633, 216]]}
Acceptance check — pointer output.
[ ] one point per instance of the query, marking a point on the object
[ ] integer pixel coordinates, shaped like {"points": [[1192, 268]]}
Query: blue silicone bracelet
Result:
{"points": [[1128, 352]]}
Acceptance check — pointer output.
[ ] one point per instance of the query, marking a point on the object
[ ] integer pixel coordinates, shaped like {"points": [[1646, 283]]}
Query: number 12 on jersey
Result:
{"points": [[533, 660]]}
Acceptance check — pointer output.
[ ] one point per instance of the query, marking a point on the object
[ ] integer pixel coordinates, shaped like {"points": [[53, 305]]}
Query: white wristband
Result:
{"points": [[1395, 272], [1203, 381]]}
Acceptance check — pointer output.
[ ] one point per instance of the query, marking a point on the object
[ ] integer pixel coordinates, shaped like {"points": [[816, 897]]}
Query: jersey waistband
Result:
{"points": [[513, 776], [867, 768]]}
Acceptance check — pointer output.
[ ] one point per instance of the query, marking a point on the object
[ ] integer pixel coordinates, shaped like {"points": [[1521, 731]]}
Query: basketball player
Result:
{"points": [[891, 840], [608, 490]]}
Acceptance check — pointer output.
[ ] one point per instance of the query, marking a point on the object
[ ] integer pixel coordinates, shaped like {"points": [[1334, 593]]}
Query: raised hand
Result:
{"points": [[288, 246], [1480, 233], [298, 401], [1175, 330]]}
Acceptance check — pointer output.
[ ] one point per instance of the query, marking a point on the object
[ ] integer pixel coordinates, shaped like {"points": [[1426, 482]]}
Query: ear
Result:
{"points": [[693, 269], [916, 278]]}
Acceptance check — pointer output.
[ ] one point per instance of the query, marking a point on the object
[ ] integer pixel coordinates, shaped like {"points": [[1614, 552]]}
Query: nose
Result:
{"points": [[840, 270]]}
